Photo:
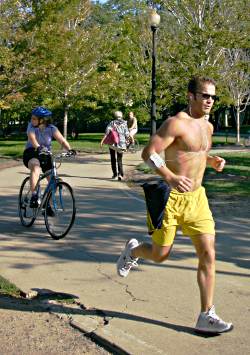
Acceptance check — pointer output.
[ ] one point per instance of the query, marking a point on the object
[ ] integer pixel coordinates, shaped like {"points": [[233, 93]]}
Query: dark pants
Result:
{"points": [[116, 157]]}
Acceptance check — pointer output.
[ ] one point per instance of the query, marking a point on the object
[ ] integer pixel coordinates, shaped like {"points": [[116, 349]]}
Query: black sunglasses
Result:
{"points": [[207, 96]]}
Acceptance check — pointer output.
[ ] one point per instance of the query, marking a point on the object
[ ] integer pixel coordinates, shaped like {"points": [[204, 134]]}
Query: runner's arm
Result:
{"points": [[217, 163], [158, 143]]}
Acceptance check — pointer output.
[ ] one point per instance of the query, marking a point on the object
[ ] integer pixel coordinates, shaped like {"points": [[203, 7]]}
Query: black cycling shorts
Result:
{"points": [[45, 160]]}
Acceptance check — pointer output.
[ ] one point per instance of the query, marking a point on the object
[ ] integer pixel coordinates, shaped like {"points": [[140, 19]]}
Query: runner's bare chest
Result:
{"points": [[196, 136]]}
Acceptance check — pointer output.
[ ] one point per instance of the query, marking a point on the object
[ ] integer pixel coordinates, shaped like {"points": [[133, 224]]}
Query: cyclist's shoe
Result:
{"points": [[34, 201], [125, 261], [209, 322], [114, 176]]}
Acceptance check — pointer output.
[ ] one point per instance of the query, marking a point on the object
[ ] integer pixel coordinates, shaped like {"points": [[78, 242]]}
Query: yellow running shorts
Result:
{"points": [[188, 210]]}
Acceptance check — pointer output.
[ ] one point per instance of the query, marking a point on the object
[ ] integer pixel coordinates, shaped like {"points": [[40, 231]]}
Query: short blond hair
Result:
{"points": [[118, 114]]}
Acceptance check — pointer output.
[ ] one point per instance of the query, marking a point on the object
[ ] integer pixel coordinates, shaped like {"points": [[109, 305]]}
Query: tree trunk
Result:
{"points": [[238, 124], [65, 123]]}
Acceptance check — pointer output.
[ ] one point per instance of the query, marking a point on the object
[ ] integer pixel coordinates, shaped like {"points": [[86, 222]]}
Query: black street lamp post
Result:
{"points": [[154, 22]]}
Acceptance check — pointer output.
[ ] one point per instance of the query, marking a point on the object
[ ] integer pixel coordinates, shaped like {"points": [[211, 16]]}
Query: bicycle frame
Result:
{"points": [[51, 185], [55, 199]]}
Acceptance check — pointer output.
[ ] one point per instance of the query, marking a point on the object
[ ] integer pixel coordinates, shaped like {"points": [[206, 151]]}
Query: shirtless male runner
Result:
{"points": [[186, 140]]}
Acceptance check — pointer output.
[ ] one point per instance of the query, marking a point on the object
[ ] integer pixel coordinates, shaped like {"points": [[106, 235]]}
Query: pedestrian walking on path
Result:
{"points": [[116, 149], [180, 200]]}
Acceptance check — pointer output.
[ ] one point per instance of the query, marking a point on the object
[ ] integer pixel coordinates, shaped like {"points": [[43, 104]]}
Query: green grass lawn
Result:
{"points": [[8, 288], [224, 140], [86, 142], [12, 149], [235, 179]]}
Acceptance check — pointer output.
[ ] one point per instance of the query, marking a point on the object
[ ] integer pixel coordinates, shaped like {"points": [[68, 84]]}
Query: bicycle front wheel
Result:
{"points": [[60, 210], [26, 213]]}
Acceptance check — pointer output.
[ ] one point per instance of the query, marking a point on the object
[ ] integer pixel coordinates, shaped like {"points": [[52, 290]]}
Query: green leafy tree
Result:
{"points": [[196, 39], [12, 62], [64, 54], [128, 62], [237, 80], [89, 57]]}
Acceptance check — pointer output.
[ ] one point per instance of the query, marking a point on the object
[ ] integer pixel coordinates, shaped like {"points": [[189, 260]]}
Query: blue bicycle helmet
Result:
{"points": [[41, 112]]}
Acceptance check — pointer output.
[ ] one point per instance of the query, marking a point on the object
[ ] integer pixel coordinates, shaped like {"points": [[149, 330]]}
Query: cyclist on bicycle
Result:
{"points": [[40, 133], [132, 126]]}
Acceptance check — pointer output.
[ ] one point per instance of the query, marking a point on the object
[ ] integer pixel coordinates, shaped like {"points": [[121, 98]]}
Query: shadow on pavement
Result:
{"points": [[105, 217], [24, 305]]}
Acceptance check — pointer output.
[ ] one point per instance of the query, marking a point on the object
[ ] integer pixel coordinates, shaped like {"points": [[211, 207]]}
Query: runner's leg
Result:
{"points": [[152, 252], [204, 245]]}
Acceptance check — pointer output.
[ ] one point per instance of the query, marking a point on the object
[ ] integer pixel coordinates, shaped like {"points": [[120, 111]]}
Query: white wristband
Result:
{"points": [[155, 161]]}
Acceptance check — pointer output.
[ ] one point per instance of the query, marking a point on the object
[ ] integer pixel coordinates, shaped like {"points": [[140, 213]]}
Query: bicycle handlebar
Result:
{"points": [[68, 154], [55, 157]]}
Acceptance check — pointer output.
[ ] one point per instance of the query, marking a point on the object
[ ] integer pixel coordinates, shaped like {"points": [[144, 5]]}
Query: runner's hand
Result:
{"points": [[218, 163], [181, 183]]}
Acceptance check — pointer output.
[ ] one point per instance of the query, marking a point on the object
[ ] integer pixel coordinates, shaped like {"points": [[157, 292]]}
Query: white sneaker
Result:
{"points": [[125, 261], [209, 322]]}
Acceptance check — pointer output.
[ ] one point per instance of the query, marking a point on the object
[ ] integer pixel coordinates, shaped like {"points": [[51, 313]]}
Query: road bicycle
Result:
{"points": [[55, 200], [133, 147]]}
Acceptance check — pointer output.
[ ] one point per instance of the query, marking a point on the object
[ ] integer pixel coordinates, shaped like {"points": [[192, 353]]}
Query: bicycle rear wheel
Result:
{"points": [[134, 147], [26, 213], [60, 210]]}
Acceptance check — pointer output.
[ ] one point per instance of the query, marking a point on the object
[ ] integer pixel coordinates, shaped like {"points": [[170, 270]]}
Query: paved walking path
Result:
{"points": [[153, 311]]}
